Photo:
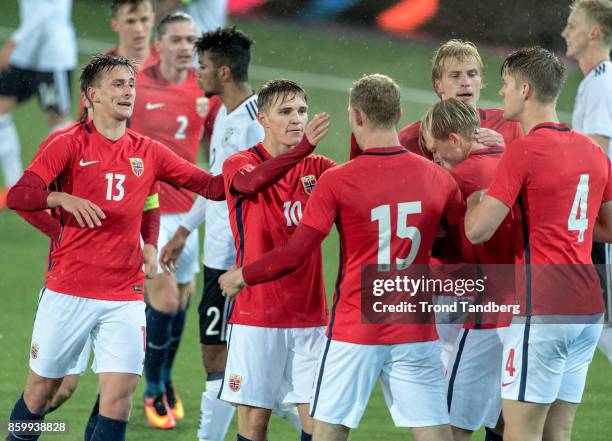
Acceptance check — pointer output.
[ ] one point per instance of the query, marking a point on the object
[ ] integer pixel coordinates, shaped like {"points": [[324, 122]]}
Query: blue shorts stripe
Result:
{"points": [[451, 383]]}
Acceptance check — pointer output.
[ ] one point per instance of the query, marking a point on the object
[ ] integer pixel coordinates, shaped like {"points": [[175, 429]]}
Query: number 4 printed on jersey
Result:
{"points": [[577, 220]]}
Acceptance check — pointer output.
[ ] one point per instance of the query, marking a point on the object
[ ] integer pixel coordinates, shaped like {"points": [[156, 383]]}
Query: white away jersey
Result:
{"points": [[232, 132], [45, 40], [593, 107]]}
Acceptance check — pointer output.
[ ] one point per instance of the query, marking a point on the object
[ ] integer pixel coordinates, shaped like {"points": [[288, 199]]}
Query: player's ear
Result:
{"points": [[261, 117], [114, 24], [595, 32], [526, 90], [359, 117], [225, 73], [91, 95], [455, 138], [156, 44], [438, 88]]}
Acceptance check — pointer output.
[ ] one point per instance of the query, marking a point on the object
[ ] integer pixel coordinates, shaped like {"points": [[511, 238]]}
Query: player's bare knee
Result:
{"points": [[162, 293], [39, 392], [214, 357]]}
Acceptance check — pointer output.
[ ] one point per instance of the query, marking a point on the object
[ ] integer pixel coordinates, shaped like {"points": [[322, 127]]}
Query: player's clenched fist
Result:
{"points": [[84, 211], [232, 282], [317, 128]]}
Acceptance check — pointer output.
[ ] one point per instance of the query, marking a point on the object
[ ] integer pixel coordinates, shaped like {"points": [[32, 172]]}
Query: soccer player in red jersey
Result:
{"points": [[168, 108], [457, 73], [104, 172], [133, 21], [277, 328], [384, 216], [545, 366], [474, 372]]}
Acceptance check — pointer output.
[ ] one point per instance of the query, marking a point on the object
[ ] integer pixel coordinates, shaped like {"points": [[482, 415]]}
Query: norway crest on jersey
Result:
{"points": [[308, 182], [137, 166]]}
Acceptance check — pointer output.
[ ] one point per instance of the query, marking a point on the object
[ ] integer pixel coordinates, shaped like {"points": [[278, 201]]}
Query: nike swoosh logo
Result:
{"points": [[153, 106], [83, 163], [507, 384]]}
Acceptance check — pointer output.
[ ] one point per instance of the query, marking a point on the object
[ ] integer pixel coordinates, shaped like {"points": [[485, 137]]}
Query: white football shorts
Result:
{"points": [[188, 264], [473, 379], [270, 367], [64, 324], [544, 362], [411, 375]]}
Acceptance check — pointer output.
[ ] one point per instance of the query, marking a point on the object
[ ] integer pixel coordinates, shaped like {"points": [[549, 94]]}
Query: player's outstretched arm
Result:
{"points": [[266, 174], [483, 217], [30, 194], [275, 264]]}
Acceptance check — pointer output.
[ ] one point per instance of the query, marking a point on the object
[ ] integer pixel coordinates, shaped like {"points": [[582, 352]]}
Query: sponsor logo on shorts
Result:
{"points": [[507, 384], [34, 350], [234, 383]]}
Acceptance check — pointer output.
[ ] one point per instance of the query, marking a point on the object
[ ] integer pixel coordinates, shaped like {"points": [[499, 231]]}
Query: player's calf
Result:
{"points": [[65, 391]]}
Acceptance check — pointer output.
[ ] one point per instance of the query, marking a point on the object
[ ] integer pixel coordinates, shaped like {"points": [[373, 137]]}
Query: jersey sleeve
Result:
{"points": [[607, 195], [510, 175], [232, 166], [171, 168], [598, 110], [323, 206], [51, 160], [324, 163]]}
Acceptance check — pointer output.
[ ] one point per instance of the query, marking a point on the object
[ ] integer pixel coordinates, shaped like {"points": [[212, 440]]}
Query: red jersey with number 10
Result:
{"points": [[265, 220], [172, 114]]}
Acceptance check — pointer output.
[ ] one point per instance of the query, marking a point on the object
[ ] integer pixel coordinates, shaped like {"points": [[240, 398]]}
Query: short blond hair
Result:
{"points": [[451, 116], [378, 97], [454, 50], [598, 12]]}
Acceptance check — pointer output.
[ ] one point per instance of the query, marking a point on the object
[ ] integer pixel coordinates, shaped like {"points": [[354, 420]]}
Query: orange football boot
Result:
{"points": [[158, 413], [174, 402]]}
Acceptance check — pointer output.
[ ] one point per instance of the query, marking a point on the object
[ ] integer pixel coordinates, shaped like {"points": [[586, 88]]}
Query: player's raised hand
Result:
{"points": [[489, 137], [170, 253], [149, 253], [84, 211], [231, 282], [317, 128]]}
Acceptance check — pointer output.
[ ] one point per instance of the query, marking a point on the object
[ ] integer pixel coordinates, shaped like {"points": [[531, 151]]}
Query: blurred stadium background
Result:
{"points": [[324, 45]]}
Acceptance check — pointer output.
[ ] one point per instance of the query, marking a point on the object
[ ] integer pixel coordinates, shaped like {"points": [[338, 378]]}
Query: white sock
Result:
{"points": [[215, 414], [605, 342], [10, 151]]}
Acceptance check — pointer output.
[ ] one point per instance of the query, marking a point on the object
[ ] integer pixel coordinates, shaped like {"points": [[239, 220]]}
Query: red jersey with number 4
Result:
{"points": [[104, 262], [263, 221], [489, 119], [379, 201], [172, 114], [474, 174], [559, 178]]}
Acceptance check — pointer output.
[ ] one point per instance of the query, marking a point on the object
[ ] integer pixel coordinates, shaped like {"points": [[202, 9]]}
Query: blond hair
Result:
{"points": [[599, 12], [454, 50], [451, 116], [378, 97]]}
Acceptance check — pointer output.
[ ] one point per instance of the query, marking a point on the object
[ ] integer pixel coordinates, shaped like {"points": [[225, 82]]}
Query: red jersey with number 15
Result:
{"points": [[172, 114], [381, 202], [265, 220]]}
